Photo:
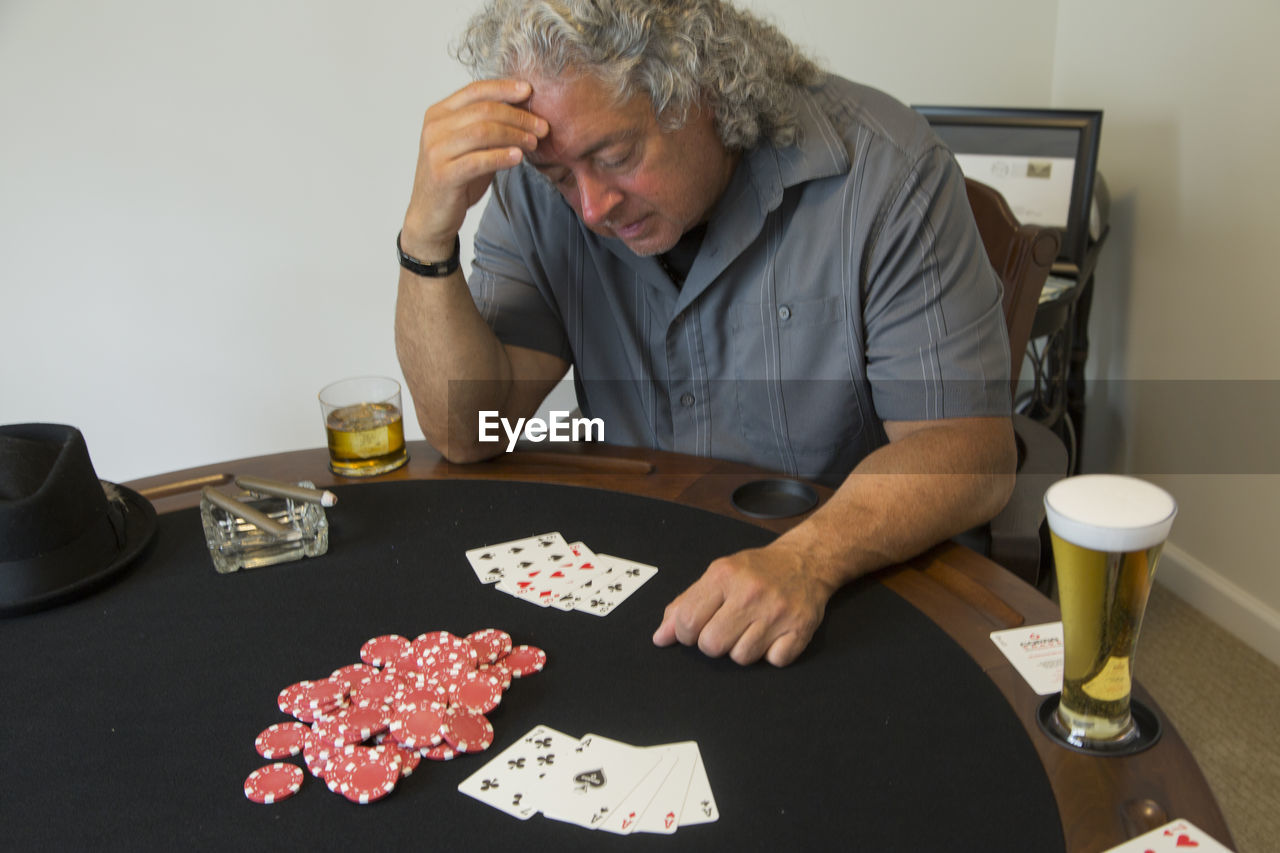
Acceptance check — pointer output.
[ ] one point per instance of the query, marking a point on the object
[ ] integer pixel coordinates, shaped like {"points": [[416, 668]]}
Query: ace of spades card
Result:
{"points": [[594, 777]]}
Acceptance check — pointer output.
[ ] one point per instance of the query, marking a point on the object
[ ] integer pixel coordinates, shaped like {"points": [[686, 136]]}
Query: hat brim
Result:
{"points": [[139, 530]]}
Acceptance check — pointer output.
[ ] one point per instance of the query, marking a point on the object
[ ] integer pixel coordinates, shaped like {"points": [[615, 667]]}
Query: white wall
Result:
{"points": [[198, 203], [1184, 315]]}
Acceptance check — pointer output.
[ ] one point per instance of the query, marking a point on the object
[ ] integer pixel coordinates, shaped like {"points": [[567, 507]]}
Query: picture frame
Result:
{"points": [[1042, 160]]}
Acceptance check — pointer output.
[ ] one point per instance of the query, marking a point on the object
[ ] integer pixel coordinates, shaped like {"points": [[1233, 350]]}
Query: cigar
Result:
{"points": [[275, 488], [165, 490], [259, 520]]}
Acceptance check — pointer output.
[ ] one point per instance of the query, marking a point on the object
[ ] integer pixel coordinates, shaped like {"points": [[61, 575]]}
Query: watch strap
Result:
{"points": [[432, 270]]}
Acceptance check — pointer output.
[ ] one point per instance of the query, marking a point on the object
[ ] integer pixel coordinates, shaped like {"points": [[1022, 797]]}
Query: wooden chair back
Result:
{"points": [[1022, 256]]}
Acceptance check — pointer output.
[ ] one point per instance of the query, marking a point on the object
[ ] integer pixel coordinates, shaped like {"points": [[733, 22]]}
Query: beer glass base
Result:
{"points": [[1146, 726]]}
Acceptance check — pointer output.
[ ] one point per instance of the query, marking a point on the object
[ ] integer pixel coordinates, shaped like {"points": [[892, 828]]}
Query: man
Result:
{"points": [[741, 257]]}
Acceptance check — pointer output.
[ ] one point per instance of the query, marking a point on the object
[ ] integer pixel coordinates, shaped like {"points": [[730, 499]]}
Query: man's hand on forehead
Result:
{"points": [[466, 139]]}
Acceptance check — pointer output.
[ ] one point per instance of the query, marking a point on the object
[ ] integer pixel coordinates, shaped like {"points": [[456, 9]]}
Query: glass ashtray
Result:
{"points": [[236, 544]]}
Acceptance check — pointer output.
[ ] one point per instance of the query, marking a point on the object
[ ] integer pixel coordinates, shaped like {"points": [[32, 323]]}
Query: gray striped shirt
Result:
{"points": [[841, 283]]}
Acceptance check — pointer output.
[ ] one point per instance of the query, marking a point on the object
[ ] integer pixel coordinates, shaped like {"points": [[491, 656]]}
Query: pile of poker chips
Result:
{"points": [[369, 724]]}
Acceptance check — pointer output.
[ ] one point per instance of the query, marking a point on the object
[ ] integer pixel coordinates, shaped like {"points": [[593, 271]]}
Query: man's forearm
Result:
{"points": [[928, 485], [452, 362]]}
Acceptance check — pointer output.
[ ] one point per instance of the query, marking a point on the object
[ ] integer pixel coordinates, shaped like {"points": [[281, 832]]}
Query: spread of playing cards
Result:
{"points": [[597, 783], [550, 572]]}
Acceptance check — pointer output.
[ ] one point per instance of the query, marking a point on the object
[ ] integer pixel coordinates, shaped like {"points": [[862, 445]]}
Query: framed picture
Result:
{"points": [[1042, 161]]}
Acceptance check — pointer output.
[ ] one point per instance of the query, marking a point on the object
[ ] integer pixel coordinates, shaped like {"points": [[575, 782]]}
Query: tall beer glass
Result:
{"points": [[1107, 534]]}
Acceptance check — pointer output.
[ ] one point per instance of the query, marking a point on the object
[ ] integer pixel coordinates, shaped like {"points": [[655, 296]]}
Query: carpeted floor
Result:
{"points": [[1224, 699]]}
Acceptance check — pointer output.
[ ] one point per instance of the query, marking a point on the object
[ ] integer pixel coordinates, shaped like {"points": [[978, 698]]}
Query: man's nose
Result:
{"points": [[596, 199]]}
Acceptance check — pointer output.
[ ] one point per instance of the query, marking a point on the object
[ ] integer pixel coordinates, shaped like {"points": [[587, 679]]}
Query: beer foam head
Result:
{"points": [[1107, 512]]}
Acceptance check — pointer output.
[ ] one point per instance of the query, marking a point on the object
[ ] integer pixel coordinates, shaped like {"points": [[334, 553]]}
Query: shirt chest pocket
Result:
{"points": [[796, 375]]}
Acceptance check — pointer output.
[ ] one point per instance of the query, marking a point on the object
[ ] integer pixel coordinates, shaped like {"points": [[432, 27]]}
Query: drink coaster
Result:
{"points": [[1144, 719], [775, 498]]}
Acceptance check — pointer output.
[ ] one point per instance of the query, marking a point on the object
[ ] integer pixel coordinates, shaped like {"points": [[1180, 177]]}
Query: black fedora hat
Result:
{"points": [[63, 532]]}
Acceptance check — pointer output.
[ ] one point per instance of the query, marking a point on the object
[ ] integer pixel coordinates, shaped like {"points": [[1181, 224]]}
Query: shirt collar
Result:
{"points": [[819, 152]]}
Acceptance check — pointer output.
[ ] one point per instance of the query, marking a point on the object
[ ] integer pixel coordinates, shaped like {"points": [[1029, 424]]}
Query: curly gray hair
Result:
{"points": [[678, 52]]}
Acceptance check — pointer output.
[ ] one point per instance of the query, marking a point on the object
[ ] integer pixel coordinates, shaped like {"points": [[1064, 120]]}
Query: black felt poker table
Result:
{"points": [[130, 715]]}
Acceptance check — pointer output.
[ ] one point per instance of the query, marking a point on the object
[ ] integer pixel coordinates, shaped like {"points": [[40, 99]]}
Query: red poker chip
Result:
{"points": [[366, 720], [525, 660], [442, 672], [307, 715], [380, 690], [361, 751], [498, 670], [353, 675], [490, 644], [287, 700], [364, 775], [466, 730], [476, 691], [273, 783], [407, 661], [327, 733], [317, 756], [439, 752], [442, 649], [353, 725], [281, 740], [383, 650], [418, 728], [427, 696], [322, 695], [409, 758]]}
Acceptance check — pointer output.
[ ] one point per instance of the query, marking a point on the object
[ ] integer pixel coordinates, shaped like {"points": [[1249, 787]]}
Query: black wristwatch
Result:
{"points": [[437, 270]]}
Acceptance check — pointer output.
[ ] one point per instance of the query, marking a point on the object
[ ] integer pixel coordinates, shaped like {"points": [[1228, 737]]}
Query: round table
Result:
{"points": [[902, 727]]}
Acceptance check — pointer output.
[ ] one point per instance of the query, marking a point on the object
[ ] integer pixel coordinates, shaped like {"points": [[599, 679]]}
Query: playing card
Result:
{"points": [[1036, 653], [699, 804], [492, 563], [512, 782], [621, 578], [625, 817], [594, 777], [663, 812], [548, 579], [1178, 836]]}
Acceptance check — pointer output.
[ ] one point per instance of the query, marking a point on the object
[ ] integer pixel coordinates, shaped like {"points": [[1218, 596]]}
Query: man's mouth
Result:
{"points": [[632, 229]]}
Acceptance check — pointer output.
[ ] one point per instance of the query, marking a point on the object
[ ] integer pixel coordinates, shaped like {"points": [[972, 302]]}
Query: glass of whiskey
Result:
{"points": [[364, 425]]}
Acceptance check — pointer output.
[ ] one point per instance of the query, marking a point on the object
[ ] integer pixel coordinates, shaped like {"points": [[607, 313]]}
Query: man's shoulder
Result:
{"points": [[866, 117]]}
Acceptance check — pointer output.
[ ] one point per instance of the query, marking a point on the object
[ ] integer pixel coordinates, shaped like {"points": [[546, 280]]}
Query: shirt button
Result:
{"points": [[686, 399], [784, 312]]}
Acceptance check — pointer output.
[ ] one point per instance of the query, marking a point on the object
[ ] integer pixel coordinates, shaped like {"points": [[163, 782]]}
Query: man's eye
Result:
{"points": [[617, 161]]}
